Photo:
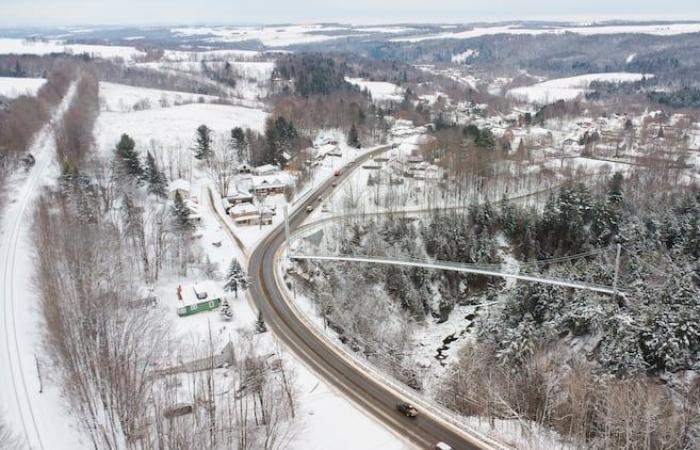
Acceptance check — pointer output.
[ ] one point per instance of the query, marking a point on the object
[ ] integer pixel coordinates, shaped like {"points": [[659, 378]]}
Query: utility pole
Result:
{"points": [[617, 269]]}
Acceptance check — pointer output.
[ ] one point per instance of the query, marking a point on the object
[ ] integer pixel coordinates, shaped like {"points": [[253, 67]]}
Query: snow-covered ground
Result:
{"points": [[38, 415], [380, 90], [455, 74], [568, 88], [659, 30], [174, 126], [253, 77], [22, 46], [461, 58], [122, 98], [186, 55], [14, 87], [270, 36]]}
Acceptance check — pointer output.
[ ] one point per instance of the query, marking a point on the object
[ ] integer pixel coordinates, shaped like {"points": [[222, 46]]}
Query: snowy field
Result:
{"points": [[659, 30], [270, 36], [122, 98], [185, 55], [567, 88], [21, 46], [380, 90], [14, 87], [175, 125], [461, 58]]}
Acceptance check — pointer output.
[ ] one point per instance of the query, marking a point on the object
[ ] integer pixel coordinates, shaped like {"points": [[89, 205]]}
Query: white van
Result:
{"points": [[442, 446]]}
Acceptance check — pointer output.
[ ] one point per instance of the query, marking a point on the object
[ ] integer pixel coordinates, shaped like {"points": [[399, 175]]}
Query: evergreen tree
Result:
{"points": [[157, 183], [353, 138], [238, 143], [128, 157], [280, 135], [182, 214], [615, 189], [203, 149], [236, 278]]}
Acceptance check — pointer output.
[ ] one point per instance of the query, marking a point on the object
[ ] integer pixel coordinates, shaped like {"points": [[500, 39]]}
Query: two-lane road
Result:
{"points": [[371, 393]]}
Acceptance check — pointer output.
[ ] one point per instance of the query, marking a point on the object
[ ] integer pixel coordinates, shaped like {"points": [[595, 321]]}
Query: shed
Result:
{"points": [[198, 297]]}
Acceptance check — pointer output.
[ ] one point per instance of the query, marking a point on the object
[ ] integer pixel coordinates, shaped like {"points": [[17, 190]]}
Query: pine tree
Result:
{"points": [[128, 157], [260, 326], [238, 143], [615, 189], [157, 183], [182, 214], [203, 149], [353, 138], [236, 278]]}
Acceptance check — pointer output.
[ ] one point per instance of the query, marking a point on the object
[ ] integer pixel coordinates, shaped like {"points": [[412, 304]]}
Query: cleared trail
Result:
{"points": [[19, 397]]}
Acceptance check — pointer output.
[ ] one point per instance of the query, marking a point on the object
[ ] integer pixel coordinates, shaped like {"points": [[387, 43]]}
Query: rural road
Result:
{"points": [[372, 394]]}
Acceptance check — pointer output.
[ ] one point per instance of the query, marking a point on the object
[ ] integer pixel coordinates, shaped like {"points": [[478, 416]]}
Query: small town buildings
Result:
{"points": [[269, 186], [242, 209], [198, 297], [238, 197], [247, 214]]}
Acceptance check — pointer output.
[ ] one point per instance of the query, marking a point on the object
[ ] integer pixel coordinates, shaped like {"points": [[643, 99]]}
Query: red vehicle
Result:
{"points": [[337, 172]]}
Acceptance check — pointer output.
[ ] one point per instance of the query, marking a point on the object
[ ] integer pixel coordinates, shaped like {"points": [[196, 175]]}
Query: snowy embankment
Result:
{"points": [[11, 87], [34, 407], [568, 88]]}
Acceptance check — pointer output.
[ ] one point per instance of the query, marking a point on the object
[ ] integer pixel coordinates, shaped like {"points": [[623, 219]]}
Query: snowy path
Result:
{"points": [[39, 417]]}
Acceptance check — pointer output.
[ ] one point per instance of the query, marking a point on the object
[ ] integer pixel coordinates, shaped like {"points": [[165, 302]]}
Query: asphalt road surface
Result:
{"points": [[362, 388]]}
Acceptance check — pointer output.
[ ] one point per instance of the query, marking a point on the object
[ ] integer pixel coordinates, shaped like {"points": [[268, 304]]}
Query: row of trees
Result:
{"points": [[73, 133], [25, 115]]}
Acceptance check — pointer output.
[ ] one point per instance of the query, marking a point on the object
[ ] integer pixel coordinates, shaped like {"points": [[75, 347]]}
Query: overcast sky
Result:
{"points": [[158, 12]]}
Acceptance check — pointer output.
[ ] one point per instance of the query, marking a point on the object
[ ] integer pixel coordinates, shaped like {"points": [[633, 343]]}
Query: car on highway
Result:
{"points": [[407, 409], [320, 199], [309, 208], [442, 446], [338, 172], [333, 184]]}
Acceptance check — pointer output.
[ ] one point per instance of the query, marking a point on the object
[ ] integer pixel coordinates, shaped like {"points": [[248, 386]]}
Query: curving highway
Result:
{"points": [[375, 395]]}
